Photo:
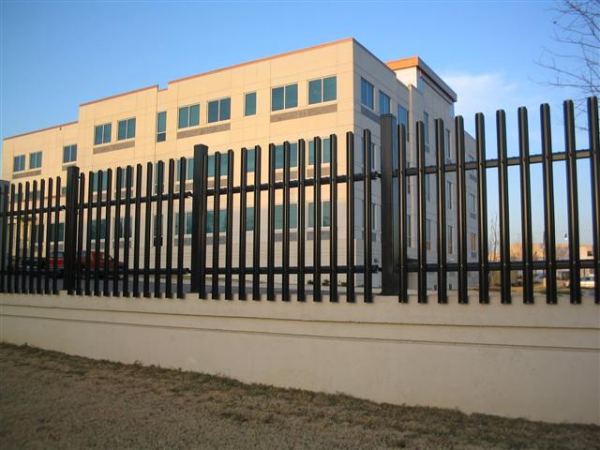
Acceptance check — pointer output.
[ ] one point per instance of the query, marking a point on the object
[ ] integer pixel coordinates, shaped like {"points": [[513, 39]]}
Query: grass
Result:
{"points": [[44, 395]]}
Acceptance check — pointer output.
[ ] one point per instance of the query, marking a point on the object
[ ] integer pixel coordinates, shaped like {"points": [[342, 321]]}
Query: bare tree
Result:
{"points": [[494, 239], [576, 64]]}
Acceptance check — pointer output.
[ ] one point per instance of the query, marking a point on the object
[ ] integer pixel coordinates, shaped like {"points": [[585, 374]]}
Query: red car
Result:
{"points": [[82, 261]]}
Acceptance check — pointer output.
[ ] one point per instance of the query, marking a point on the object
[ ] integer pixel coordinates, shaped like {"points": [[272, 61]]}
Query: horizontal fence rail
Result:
{"points": [[207, 226]]}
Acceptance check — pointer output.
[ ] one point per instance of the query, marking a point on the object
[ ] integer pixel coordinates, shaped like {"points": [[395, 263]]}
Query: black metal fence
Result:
{"points": [[48, 246]]}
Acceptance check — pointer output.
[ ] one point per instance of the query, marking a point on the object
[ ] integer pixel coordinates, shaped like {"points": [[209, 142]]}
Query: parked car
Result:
{"points": [[100, 257], [60, 262]]}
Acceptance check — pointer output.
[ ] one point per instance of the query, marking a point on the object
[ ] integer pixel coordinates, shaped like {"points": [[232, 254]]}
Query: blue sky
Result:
{"points": [[58, 54]]}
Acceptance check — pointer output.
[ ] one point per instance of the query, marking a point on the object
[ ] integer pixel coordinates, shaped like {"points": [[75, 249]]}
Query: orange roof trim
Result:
{"points": [[430, 75], [155, 86], [404, 63], [281, 55], [40, 130]]}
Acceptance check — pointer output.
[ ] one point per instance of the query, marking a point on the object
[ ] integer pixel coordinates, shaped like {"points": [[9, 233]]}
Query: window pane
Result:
{"points": [[98, 135], [251, 159], [190, 169], [250, 106], [131, 128], [107, 133], [213, 111], [250, 219], [223, 220], [366, 93], [291, 96], [74, 152], [188, 223], [211, 166], [209, 221], [329, 89], [194, 115], [122, 131], [293, 216], [294, 155], [225, 109], [279, 217], [66, 155], [326, 150], [277, 99], [224, 163], [161, 122], [279, 156], [183, 117], [314, 91], [326, 216], [311, 215], [384, 103]]}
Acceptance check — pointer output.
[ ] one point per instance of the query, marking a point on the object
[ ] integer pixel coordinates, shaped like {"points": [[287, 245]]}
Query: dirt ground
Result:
{"points": [[50, 400]]}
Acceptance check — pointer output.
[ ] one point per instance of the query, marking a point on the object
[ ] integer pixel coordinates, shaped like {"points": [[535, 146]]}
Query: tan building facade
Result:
{"points": [[328, 89]]}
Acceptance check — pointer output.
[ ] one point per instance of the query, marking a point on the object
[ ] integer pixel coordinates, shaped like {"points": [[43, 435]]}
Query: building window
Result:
{"points": [[449, 195], [19, 163], [426, 130], [284, 97], [384, 103], [472, 203], [325, 216], [187, 224], [224, 164], [189, 169], [102, 134], [250, 160], [473, 240], [126, 129], [35, 160], [121, 230], [372, 153], [279, 156], [161, 126], [366, 94], [210, 215], [322, 90], [447, 145], [95, 233], [95, 181], [409, 241], [69, 153], [325, 151], [250, 219], [450, 238], [403, 118], [189, 116], [250, 104], [61, 230], [428, 234], [219, 110], [427, 182], [279, 216]]}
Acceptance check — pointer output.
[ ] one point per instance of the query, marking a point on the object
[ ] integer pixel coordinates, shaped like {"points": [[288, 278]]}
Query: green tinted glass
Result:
{"points": [[291, 96], [314, 91], [329, 89], [250, 106], [277, 99]]}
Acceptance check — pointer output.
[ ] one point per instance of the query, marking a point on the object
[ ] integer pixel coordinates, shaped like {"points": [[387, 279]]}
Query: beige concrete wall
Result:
{"points": [[540, 361]]}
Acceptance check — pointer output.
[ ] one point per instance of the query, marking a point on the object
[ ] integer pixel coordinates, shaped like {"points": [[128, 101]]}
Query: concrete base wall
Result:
{"points": [[539, 362]]}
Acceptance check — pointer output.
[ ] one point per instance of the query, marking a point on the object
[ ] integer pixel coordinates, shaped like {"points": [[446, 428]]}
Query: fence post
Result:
{"points": [[4, 220], [390, 249], [198, 211], [71, 229]]}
